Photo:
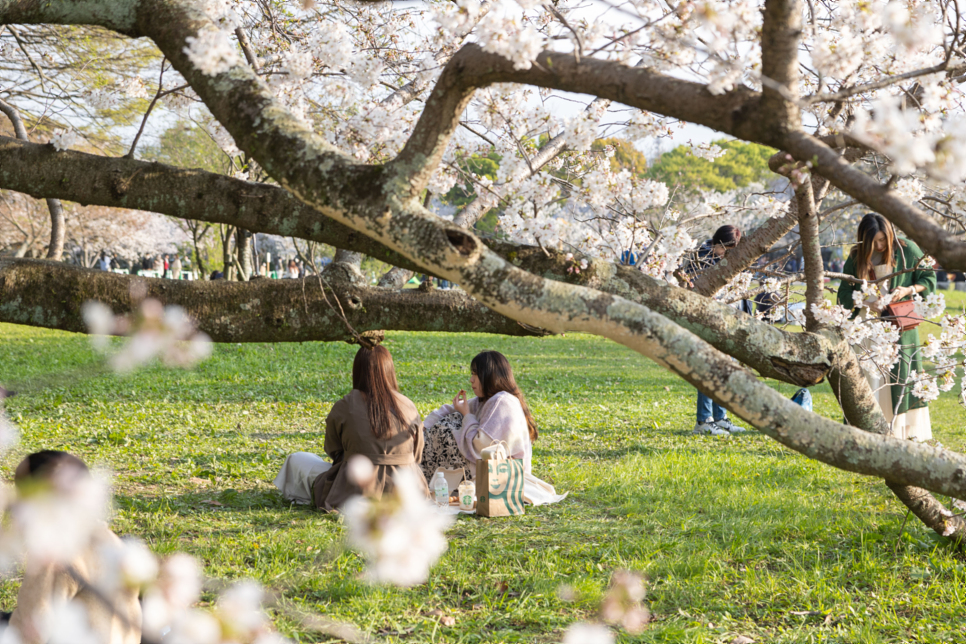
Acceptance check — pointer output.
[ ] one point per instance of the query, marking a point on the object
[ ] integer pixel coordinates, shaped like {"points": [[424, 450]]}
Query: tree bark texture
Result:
{"points": [[48, 294]]}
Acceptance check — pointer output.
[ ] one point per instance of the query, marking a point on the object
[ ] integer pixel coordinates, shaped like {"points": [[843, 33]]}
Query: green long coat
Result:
{"points": [[906, 255]]}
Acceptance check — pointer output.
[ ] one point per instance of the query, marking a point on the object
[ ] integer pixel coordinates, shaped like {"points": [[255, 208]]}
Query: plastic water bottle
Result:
{"points": [[441, 489]]}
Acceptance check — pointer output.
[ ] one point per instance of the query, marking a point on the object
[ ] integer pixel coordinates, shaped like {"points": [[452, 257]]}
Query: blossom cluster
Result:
{"points": [[401, 534], [155, 331]]}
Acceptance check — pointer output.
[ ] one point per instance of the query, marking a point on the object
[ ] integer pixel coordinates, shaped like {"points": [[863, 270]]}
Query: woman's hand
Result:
{"points": [[902, 293], [460, 403]]}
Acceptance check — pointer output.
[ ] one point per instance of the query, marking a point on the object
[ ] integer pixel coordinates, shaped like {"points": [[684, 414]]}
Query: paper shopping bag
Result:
{"points": [[499, 487]]}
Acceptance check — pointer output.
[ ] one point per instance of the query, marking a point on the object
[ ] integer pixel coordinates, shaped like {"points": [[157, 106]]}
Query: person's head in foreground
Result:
{"points": [[48, 468], [490, 373], [724, 239], [875, 235], [374, 374]]}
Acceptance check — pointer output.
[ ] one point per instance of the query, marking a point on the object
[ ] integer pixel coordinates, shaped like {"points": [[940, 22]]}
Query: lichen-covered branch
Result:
{"points": [[49, 294], [117, 182]]}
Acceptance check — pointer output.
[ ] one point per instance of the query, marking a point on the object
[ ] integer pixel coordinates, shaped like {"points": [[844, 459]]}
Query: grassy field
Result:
{"points": [[734, 535]]}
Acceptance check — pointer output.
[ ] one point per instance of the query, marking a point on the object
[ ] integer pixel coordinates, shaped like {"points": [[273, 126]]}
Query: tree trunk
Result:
{"points": [[58, 230], [243, 246]]}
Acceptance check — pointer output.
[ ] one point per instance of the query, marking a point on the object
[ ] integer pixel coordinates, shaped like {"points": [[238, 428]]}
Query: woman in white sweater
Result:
{"points": [[456, 434]]}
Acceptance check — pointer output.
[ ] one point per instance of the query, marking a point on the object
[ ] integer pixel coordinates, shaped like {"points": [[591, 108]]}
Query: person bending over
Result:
{"points": [[712, 418]]}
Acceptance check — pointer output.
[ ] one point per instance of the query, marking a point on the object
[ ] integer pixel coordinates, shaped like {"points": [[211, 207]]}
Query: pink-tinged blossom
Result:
{"points": [[54, 523], [622, 603], [9, 434], [155, 332], [400, 535], [102, 99], [837, 55], [925, 387], [932, 307], [129, 565]]}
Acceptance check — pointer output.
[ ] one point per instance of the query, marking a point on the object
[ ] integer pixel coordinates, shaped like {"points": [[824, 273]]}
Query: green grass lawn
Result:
{"points": [[735, 535]]}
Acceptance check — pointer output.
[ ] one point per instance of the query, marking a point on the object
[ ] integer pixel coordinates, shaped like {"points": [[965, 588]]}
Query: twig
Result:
{"points": [[879, 84], [147, 113]]}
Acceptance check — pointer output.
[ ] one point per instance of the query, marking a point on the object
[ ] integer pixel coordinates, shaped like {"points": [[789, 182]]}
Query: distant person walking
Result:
{"points": [[176, 268]]}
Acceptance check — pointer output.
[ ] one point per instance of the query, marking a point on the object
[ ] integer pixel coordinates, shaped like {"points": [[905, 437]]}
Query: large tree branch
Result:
{"points": [[204, 196], [58, 223], [41, 293], [40, 171], [734, 113], [811, 251], [780, 34], [918, 225]]}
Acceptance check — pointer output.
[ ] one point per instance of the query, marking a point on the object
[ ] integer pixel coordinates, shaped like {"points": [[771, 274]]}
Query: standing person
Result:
{"points": [[293, 269], [878, 253], [104, 263], [456, 434], [373, 420], [176, 268], [712, 418]]}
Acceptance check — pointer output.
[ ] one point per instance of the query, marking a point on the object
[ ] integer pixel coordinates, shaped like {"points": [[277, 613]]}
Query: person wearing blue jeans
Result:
{"points": [[712, 417]]}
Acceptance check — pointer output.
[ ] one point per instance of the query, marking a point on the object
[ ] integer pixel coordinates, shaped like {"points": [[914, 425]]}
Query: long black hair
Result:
{"points": [[374, 374], [495, 374]]}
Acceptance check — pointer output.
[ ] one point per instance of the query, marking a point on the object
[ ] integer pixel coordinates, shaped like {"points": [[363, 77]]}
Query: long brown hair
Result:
{"points": [[374, 374], [871, 225], [495, 374]]}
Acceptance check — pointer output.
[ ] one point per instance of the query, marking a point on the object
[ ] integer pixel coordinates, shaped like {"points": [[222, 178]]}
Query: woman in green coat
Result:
{"points": [[880, 253]]}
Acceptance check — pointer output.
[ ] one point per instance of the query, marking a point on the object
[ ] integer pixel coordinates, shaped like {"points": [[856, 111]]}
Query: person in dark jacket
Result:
{"points": [[712, 418]]}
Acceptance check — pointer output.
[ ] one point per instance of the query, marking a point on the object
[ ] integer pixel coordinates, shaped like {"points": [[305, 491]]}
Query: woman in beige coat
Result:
{"points": [[373, 420]]}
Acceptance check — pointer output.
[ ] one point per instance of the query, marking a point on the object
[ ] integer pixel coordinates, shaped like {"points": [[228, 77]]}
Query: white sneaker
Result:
{"points": [[728, 426], [709, 427]]}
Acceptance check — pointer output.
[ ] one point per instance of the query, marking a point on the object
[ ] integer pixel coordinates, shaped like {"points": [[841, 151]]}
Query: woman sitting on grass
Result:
{"points": [[373, 420], [457, 433]]}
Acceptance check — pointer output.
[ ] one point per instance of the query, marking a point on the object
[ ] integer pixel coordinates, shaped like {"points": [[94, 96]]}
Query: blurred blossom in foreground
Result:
{"points": [[9, 435], [54, 522], [238, 617], [401, 535], [581, 633], [155, 331], [622, 605]]}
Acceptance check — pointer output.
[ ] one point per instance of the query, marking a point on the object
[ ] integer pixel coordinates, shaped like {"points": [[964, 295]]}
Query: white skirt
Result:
{"points": [[911, 425], [298, 474]]}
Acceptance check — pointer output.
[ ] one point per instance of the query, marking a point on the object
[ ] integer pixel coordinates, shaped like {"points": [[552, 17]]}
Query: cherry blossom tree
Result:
{"points": [[343, 121]]}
